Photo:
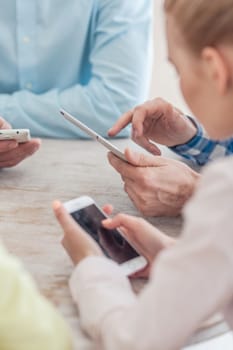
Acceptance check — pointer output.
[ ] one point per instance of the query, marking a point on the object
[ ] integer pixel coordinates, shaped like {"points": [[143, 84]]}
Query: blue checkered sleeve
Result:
{"points": [[201, 149]]}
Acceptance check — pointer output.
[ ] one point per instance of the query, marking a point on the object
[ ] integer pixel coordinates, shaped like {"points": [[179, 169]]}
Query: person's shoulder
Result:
{"points": [[219, 172], [214, 190]]}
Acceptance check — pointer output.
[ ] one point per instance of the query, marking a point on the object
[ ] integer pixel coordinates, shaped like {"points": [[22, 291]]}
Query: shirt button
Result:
{"points": [[26, 39], [28, 86]]}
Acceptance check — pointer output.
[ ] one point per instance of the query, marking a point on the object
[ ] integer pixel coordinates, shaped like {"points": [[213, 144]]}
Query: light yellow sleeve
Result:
{"points": [[27, 320]]}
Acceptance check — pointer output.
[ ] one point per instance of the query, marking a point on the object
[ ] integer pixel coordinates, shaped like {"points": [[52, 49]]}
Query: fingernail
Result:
{"points": [[56, 205], [154, 151], [106, 221]]}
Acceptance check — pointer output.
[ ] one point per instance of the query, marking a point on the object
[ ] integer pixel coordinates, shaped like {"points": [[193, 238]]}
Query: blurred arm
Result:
{"points": [[27, 320]]}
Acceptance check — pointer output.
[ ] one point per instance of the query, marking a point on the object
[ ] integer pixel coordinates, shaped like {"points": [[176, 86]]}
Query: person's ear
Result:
{"points": [[216, 68]]}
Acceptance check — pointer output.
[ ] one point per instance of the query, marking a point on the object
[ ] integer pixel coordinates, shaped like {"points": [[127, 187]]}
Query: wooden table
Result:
{"points": [[62, 170]]}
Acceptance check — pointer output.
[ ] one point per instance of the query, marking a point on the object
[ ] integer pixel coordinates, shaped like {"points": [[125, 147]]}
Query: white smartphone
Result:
{"points": [[93, 134], [19, 135], [112, 242]]}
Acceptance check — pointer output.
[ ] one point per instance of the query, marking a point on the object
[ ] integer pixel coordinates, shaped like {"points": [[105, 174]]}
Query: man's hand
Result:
{"points": [[156, 121], [157, 186], [147, 240], [11, 152]]}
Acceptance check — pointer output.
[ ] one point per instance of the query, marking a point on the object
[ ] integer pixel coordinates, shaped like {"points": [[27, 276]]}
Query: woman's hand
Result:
{"points": [[76, 241], [156, 121], [145, 238]]}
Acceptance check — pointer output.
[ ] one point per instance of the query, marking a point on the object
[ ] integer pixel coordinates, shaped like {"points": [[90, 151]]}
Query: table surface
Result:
{"points": [[64, 170]]}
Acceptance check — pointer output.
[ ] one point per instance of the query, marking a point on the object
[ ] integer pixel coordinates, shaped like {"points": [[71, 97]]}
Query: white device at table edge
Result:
{"points": [[93, 134], [19, 135]]}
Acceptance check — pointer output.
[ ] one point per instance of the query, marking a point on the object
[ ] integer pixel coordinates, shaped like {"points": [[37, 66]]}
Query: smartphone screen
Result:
{"points": [[112, 242]]}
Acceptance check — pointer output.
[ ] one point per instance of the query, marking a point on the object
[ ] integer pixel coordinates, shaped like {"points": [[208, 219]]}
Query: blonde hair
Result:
{"points": [[203, 22]]}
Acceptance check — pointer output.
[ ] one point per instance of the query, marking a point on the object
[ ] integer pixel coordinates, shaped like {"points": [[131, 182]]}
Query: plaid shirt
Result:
{"points": [[200, 149]]}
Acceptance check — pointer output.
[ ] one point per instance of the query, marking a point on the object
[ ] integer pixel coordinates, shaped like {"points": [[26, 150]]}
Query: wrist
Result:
{"points": [[190, 131], [78, 259], [168, 242]]}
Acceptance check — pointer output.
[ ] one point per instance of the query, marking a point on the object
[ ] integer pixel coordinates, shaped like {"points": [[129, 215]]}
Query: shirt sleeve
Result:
{"points": [[27, 320], [120, 60], [184, 288], [201, 149]]}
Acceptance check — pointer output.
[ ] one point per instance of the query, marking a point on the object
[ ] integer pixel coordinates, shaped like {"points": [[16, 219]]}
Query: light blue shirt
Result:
{"points": [[90, 57]]}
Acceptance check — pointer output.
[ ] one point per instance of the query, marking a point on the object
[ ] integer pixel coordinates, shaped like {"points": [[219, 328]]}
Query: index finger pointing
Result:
{"points": [[121, 123]]}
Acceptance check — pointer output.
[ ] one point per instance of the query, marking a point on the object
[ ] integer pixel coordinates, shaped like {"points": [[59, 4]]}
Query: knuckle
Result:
{"points": [[120, 217], [145, 180], [184, 190], [141, 205], [138, 108], [159, 100], [168, 108]]}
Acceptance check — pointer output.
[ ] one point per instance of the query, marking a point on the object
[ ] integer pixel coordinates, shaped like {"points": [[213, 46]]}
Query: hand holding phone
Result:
{"points": [[12, 152], [93, 134], [89, 216]]}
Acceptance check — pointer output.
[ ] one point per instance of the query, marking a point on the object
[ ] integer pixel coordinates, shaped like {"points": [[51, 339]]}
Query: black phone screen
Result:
{"points": [[111, 242]]}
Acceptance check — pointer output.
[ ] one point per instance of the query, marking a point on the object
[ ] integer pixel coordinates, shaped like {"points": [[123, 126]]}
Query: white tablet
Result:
{"points": [[93, 134]]}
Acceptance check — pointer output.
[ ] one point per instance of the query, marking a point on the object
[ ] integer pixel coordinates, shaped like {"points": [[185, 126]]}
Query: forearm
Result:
{"points": [[27, 320], [116, 319], [40, 113]]}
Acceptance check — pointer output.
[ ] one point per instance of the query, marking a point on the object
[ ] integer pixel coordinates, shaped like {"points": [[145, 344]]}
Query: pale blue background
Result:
{"points": [[89, 56]]}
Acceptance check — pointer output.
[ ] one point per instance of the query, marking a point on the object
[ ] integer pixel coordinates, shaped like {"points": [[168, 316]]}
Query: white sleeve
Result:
{"points": [[189, 282]]}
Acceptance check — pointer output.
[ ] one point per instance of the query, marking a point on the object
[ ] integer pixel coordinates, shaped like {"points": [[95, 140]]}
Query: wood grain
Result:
{"points": [[60, 170]]}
